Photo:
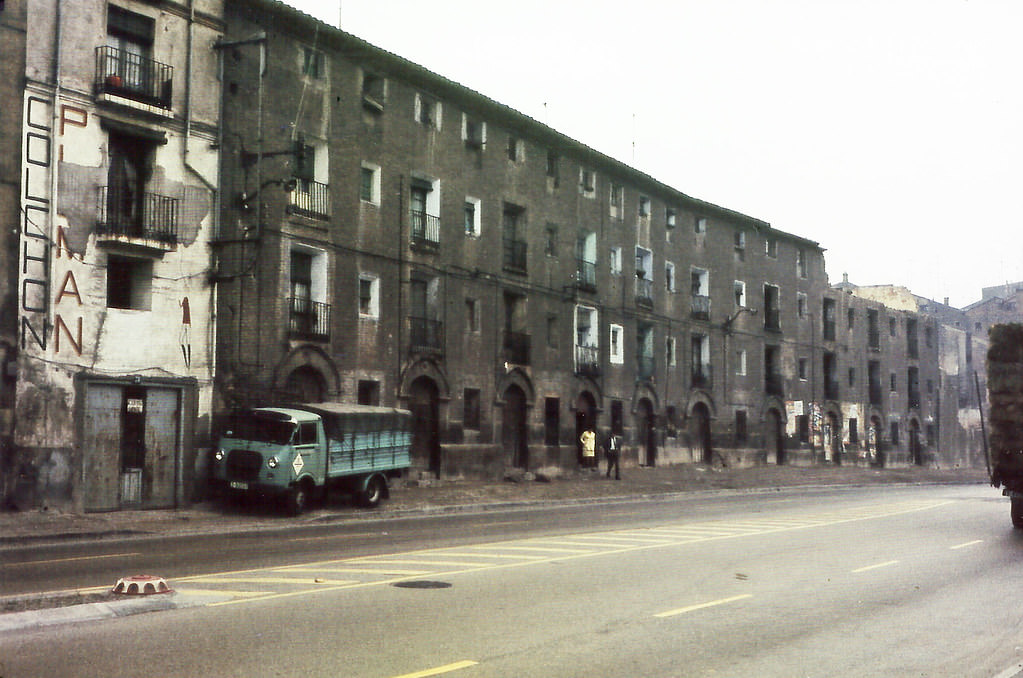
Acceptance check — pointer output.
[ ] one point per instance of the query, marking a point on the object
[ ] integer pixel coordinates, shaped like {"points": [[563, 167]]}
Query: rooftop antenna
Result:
{"points": [[633, 140], [339, 13]]}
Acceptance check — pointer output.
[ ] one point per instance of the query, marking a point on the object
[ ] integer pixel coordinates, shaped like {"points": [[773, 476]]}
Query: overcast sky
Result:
{"points": [[889, 131]]}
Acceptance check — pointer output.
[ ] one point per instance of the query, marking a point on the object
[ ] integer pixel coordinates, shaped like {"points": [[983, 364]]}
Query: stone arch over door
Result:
{"points": [[307, 367], [585, 417], [424, 402]]}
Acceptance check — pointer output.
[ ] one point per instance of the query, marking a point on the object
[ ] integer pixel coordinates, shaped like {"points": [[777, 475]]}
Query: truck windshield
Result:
{"points": [[260, 429]]}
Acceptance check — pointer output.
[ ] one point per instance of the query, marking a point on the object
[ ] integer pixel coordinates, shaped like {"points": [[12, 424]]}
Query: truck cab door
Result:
{"points": [[307, 446]]}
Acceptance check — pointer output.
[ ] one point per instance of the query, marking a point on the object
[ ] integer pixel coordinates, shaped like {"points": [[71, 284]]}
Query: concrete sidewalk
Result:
{"points": [[439, 496]]}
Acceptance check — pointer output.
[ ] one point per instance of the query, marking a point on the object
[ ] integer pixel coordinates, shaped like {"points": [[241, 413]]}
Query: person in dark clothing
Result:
{"points": [[614, 451]]}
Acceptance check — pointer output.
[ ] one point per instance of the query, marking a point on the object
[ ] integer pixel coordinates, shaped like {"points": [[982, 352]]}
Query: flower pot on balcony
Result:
{"points": [[114, 80]]}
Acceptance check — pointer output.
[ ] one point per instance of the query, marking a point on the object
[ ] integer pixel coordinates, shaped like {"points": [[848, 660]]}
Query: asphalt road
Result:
{"points": [[912, 581]]}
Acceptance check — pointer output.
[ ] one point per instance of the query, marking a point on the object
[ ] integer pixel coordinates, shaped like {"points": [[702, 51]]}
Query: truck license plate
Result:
{"points": [[238, 485]]}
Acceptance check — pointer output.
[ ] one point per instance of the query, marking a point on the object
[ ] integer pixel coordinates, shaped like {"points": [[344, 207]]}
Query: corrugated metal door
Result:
{"points": [[161, 464], [101, 446]]}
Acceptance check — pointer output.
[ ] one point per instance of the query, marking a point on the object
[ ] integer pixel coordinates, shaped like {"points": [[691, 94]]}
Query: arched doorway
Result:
{"points": [[585, 417], [305, 385], [646, 430], [773, 436], [424, 400], [916, 452], [513, 430], [699, 432], [874, 446]]}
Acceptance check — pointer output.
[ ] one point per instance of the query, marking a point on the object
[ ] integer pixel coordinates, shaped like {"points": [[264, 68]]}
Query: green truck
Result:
{"points": [[301, 452]]}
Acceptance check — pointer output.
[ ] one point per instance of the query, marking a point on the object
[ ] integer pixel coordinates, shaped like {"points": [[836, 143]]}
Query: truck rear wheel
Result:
{"points": [[1016, 511], [376, 488]]}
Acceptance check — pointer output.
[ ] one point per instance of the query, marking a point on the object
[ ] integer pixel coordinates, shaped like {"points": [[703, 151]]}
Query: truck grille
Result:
{"points": [[243, 465]]}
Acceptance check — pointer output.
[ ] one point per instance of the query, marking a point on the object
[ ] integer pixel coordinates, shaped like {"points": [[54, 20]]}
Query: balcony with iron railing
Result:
{"points": [[645, 367], [310, 199], [700, 307], [774, 384], [308, 319], [645, 292], [701, 376], [514, 259], [132, 76], [586, 275], [913, 399], [425, 230], [831, 388], [516, 348], [138, 218], [426, 336], [587, 361]]}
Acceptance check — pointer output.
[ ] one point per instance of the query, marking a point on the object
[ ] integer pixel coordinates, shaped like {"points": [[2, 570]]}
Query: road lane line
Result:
{"points": [[220, 592], [875, 566], [424, 561], [356, 570], [700, 606], [68, 560], [335, 536], [439, 670], [514, 556], [969, 543], [273, 580], [546, 549]]}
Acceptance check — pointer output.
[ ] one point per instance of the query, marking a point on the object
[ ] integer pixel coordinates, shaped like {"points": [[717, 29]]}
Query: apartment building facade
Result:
{"points": [[118, 170], [391, 237]]}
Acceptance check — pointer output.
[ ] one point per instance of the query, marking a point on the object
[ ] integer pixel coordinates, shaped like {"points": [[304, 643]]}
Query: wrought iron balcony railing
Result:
{"points": [[426, 335], [586, 275], [133, 76], [425, 229], [700, 307], [308, 319], [645, 292], [587, 361], [126, 212], [311, 199], [516, 348], [774, 384], [515, 255], [701, 375]]}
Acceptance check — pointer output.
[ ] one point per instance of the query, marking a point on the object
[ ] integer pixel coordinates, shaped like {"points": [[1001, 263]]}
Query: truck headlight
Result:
{"points": [[272, 462], [219, 454]]}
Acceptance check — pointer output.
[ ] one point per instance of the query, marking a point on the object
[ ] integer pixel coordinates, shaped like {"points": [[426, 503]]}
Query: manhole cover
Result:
{"points": [[423, 585]]}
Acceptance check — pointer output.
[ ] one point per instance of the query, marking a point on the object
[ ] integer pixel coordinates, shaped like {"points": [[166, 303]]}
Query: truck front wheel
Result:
{"points": [[376, 488], [297, 499], [1016, 511]]}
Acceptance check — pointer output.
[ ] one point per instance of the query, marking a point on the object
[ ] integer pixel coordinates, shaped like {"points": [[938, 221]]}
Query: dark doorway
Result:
{"points": [[305, 385], [585, 417], [774, 439], [513, 433], [699, 431], [133, 444], [426, 427], [646, 431]]}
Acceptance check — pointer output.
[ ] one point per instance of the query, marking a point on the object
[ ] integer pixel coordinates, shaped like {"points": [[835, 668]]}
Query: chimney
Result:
{"points": [[946, 301]]}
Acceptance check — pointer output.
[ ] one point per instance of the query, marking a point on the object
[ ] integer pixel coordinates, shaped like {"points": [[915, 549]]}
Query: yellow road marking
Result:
{"points": [[272, 580], [68, 560], [493, 555], [593, 550], [439, 670], [424, 561], [334, 536], [700, 606], [969, 543], [874, 567], [220, 592], [355, 570]]}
